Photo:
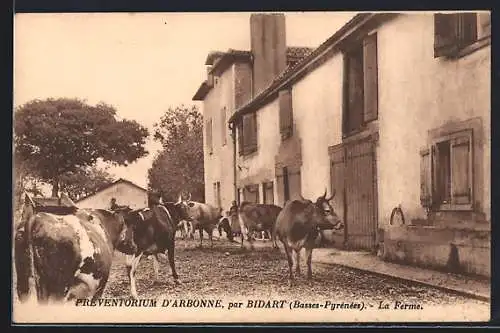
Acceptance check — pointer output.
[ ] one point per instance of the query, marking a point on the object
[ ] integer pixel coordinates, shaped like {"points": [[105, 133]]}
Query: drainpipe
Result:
{"points": [[232, 127]]}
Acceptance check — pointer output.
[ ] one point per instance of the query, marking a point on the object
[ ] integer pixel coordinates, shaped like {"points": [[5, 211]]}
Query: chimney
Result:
{"points": [[210, 77], [268, 45]]}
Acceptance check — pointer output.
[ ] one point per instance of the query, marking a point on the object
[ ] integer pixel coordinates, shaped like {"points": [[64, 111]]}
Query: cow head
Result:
{"points": [[326, 216], [184, 203], [126, 241]]}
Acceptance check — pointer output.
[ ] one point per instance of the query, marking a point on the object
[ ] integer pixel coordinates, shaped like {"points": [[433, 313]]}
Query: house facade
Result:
{"points": [[392, 112], [125, 192]]}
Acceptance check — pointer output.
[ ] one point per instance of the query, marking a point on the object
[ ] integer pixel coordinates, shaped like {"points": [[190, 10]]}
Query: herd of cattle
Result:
{"points": [[66, 254]]}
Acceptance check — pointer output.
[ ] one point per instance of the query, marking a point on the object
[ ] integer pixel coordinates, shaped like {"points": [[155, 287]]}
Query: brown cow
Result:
{"points": [[203, 216], [257, 217], [299, 225]]}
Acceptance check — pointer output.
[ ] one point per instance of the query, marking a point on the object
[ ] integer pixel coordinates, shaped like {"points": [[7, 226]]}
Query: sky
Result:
{"points": [[141, 63]]}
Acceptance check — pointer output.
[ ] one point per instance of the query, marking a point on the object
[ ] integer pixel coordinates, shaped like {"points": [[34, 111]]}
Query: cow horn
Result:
{"points": [[333, 195], [180, 199], [324, 195], [189, 197], [301, 197]]}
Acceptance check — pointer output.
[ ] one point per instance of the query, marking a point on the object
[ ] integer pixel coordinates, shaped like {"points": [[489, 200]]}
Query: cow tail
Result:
{"points": [[33, 274]]}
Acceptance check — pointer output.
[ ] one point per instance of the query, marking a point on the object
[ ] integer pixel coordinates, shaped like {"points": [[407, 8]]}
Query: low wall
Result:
{"points": [[451, 249]]}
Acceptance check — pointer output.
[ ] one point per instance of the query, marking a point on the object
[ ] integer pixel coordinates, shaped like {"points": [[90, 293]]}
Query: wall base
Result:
{"points": [[450, 249]]}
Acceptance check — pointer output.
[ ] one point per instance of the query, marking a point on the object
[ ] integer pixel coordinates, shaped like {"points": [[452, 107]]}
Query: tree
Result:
{"points": [[179, 165], [57, 136], [84, 182]]}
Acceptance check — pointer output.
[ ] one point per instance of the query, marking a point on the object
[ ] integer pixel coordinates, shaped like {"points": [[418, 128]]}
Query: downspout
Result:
{"points": [[232, 127]]}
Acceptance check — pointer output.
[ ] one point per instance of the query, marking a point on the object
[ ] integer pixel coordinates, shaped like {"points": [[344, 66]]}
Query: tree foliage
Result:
{"points": [[85, 181], [58, 136], [179, 165]]}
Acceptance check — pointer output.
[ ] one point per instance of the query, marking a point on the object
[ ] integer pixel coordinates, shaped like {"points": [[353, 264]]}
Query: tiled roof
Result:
{"points": [[294, 52], [121, 180]]}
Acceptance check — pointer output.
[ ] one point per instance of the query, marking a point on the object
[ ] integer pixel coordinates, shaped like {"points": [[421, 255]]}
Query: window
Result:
{"points": [[268, 192], [247, 136], [360, 85], [217, 195], [252, 193], [286, 114], [446, 179], [209, 136], [223, 126], [456, 33]]}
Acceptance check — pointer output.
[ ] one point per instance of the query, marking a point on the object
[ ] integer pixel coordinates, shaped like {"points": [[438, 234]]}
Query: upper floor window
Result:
{"points": [[286, 114], [460, 33], [208, 130], [223, 126], [360, 85], [247, 134]]}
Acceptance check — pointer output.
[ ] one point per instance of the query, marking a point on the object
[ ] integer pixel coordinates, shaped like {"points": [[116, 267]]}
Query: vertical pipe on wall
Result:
{"points": [[232, 127]]}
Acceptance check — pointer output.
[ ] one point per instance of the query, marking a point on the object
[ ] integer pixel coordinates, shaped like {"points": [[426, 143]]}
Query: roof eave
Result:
{"points": [[337, 38], [201, 92]]}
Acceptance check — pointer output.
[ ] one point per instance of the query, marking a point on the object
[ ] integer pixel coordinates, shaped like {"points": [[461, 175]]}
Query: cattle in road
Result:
{"points": [[257, 217], [299, 225], [203, 216], [60, 257], [154, 231]]}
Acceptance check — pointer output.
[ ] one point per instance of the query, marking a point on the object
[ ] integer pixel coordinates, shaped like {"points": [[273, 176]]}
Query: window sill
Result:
{"points": [[471, 48], [455, 207]]}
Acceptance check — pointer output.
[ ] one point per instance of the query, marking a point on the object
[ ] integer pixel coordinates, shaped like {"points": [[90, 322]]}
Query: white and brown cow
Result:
{"points": [[61, 257], [299, 225]]}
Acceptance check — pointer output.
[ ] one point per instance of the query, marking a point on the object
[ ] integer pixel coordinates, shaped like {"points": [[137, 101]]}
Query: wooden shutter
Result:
{"points": [[426, 177], [286, 185], [355, 87], [286, 113], [268, 192], [223, 126], [249, 133], [370, 73], [294, 185], [209, 136], [461, 173], [467, 27], [445, 34]]}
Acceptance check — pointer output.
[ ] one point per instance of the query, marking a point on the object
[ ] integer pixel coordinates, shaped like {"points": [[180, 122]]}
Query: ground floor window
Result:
{"points": [[251, 193], [447, 172], [268, 192]]}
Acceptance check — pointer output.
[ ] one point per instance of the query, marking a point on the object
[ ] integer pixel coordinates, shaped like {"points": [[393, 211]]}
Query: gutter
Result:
{"points": [[310, 61]]}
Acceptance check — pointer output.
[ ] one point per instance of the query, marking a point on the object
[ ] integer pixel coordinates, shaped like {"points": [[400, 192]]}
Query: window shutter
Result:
{"points": [[294, 185], [337, 176], [426, 178], [467, 27], [345, 93], [223, 126], [445, 34], [268, 192], [286, 113], [249, 132], [370, 72], [209, 136], [461, 180]]}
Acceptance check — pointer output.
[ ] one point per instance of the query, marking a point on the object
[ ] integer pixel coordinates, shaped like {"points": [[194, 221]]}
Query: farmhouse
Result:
{"points": [[124, 191], [392, 112]]}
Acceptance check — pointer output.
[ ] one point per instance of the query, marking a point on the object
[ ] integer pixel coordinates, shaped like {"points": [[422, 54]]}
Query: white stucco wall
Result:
{"points": [[218, 166], [418, 92], [124, 193], [260, 166], [317, 112]]}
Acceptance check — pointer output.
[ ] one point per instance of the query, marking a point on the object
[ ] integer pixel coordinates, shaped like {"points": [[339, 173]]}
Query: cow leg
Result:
{"points": [[210, 236], [309, 260], [297, 261], [273, 238], [200, 229], [131, 267], [290, 263], [171, 262], [156, 267]]}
